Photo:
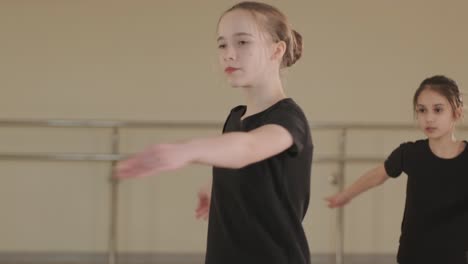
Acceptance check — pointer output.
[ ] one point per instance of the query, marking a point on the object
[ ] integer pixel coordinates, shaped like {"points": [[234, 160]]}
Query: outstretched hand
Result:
{"points": [[153, 160], [337, 200]]}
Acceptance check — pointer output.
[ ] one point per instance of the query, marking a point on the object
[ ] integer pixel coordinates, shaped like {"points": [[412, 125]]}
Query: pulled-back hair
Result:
{"points": [[276, 24], [444, 86]]}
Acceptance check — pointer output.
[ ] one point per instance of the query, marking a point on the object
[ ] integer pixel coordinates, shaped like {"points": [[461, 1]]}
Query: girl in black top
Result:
{"points": [[435, 220], [262, 162]]}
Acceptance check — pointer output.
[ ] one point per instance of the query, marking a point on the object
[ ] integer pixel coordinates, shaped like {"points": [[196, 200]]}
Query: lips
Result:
{"points": [[230, 70], [430, 129]]}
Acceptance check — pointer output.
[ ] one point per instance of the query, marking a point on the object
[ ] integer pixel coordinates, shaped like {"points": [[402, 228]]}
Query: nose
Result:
{"points": [[430, 117], [229, 54]]}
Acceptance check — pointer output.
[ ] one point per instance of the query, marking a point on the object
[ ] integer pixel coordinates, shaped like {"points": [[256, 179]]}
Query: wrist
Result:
{"points": [[347, 195], [191, 150]]}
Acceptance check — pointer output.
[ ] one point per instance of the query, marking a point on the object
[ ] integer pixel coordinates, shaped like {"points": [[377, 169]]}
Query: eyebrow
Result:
{"points": [[236, 35], [421, 105]]}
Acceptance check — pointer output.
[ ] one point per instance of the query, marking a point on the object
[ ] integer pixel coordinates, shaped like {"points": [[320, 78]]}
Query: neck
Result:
{"points": [[262, 96], [447, 146]]}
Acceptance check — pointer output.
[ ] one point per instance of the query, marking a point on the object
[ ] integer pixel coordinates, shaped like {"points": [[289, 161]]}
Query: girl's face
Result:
{"points": [[245, 53], [435, 114]]}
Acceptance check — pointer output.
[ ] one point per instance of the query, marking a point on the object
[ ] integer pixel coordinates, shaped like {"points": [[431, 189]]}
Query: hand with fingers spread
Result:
{"points": [[153, 160], [204, 200]]}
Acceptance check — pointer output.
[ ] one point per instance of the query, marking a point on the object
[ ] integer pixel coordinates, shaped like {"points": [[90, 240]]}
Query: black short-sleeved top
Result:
{"points": [[435, 221], [256, 211]]}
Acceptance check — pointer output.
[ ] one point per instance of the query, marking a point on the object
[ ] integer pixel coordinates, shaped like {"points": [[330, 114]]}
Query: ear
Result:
{"points": [[279, 48], [458, 114]]}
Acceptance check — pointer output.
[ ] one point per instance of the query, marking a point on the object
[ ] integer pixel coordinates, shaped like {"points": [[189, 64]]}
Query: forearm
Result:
{"points": [[369, 180], [230, 150]]}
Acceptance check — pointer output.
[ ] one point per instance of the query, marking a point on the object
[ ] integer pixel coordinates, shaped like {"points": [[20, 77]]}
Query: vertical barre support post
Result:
{"points": [[113, 210], [339, 247]]}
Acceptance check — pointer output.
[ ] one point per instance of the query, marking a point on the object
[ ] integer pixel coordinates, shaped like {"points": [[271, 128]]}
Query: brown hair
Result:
{"points": [[444, 86], [276, 24]]}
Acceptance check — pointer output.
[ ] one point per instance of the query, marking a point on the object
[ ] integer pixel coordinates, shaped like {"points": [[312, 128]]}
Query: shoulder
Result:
{"points": [[287, 108], [289, 104], [403, 158], [415, 145], [410, 148]]}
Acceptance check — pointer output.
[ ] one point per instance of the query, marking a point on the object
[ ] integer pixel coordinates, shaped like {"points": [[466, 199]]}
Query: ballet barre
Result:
{"points": [[341, 159]]}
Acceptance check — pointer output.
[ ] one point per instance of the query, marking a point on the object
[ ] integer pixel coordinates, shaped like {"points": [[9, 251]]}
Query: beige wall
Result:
{"points": [[156, 60]]}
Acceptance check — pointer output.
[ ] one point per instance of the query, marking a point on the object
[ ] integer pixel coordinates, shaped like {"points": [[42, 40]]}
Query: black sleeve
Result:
{"points": [[394, 164], [295, 123]]}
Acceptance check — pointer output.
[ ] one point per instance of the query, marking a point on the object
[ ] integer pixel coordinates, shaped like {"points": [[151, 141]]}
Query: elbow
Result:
{"points": [[245, 154], [238, 163], [381, 179], [379, 182], [380, 175]]}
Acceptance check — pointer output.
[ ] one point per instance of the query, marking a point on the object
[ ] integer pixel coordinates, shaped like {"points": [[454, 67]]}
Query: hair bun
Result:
{"points": [[296, 48]]}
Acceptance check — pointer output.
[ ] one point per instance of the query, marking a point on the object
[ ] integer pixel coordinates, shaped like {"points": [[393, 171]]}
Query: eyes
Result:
{"points": [[238, 43], [423, 110]]}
